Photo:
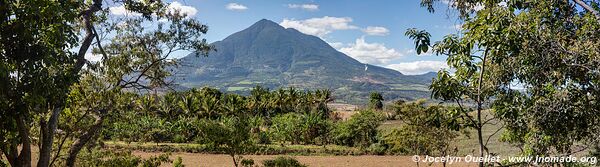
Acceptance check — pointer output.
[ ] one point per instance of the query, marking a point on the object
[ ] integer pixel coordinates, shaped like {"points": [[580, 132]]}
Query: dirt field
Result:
{"points": [[219, 160]]}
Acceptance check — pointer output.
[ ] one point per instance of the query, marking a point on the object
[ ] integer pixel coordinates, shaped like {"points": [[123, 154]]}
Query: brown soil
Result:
{"points": [[220, 160]]}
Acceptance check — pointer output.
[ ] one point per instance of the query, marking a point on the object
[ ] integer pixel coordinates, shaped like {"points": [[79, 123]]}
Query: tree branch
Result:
{"points": [[87, 40], [588, 8]]}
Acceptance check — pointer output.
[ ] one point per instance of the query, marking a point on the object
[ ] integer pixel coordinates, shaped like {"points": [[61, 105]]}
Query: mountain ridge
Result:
{"points": [[270, 55]]}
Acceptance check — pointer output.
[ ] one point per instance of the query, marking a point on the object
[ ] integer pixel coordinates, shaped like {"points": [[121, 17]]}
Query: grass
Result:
{"points": [[467, 144], [247, 82], [261, 149], [237, 88], [409, 87]]}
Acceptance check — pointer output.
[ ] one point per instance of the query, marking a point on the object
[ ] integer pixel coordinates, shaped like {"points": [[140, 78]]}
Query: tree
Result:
{"points": [[426, 130], [360, 130], [136, 59], [468, 57], [39, 66], [550, 48], [36, 69], [230, 133], [376, 101]]}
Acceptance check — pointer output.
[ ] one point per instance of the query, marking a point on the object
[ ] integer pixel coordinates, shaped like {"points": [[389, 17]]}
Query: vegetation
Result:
{"points": [[376, 101], [283, 162], [68, 106], [547, 47]]}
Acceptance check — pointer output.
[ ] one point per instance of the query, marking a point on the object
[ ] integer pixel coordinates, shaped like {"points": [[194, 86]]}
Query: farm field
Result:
{"points": [[220, 160]]}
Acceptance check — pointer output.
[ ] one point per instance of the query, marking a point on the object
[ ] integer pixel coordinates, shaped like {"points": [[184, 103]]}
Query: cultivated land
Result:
{"points": [[330, 155], [220, 160], [314, 155]]}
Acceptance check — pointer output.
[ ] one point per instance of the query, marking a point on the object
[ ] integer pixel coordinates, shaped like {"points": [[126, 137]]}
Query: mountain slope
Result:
{"points": [[269, 55]]}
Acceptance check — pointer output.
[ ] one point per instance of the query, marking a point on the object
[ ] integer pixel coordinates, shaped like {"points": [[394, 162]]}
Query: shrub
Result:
{"points": [[377, 149], [283, 162], [306, 128], [247, 162], [360, 130], [428, 130], [231, 134], [286, 127], [178, 162], [156, 161], [118, 158]]}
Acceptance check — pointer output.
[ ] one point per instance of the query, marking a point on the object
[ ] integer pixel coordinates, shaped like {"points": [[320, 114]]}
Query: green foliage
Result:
{"points": [[156, 161], [178, 162], [376, 101], [421, 39], [286, 127], [231, 134], [117, 158], [282, 162], [360, 130], [295, 128], [247, 162], [547, 47], [425, 130]]}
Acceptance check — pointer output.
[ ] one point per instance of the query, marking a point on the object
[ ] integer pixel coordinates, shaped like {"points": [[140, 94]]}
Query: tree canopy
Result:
{"points": [[537, 60]]}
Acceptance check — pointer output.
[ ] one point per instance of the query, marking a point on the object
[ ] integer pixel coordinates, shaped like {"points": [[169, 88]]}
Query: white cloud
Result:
{"points": [[475, 7], [121, 11], [372, 53], [378, 31], [236, 6], [418, 67], [92, 57], [189, 11], [457, 27], [478, 7], [336, 45], [309, 7], [319, 26]]}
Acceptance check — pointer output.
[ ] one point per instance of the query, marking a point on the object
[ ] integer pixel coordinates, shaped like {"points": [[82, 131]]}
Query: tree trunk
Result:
{"points": [[234, 160], [479, 108], [89, 34], [47, 138], [24, 158], [479, 135], [83, 140]]}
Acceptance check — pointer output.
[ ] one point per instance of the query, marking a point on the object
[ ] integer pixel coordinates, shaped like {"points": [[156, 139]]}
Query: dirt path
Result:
{"points": [[219, 160]]}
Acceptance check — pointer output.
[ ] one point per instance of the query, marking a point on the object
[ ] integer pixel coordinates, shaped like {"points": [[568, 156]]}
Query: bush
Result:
{"points": [[283, 162], [377, 149], [306, 128], [286, 127], [247, 162], [231, 134], [156, 161], [178, 162], [428, 130], [360, 130], [117, 158]]}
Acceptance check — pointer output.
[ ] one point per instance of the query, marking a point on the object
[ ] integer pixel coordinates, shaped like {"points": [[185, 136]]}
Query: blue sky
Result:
{"points": [[369, 31]]}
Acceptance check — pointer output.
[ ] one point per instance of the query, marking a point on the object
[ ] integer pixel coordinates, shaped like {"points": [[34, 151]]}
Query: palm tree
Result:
{"points": [[190, 103], [322, 97]]}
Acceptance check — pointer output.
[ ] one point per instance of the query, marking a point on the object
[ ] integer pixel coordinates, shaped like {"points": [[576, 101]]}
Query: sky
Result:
{"points": [[370, 31]]}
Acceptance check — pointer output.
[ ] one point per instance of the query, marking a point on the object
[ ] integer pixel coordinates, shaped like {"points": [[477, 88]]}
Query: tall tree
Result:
{"points": [[550, 48], [135, 59], [376, 101], [36, 71], [38, 65]]}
